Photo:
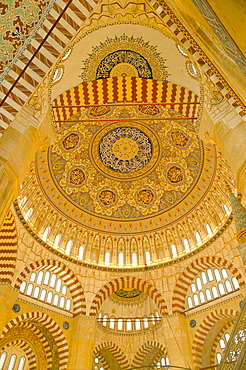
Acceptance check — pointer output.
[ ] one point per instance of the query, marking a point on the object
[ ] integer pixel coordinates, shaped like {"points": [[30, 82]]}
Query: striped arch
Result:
{"points": [[8, 249], [115, 350], [51, 326], [72, 282], [146, 349], [203, 330], [127, 282], [187, 276], [217, 339], [25, 347]]}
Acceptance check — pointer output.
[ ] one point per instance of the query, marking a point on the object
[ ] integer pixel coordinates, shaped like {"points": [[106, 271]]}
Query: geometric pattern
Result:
{"points": [[65, 18], [8, 249], [185, 279], [51, 326], [203, 330], [127, 282], [122, 89], [71, 281]]}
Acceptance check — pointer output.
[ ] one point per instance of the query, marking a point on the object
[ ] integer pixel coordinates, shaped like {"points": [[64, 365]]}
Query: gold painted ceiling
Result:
{"points": [[127, 172]]}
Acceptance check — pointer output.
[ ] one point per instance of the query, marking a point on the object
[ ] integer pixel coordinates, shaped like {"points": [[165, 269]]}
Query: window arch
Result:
{"points": [[49, 288], [81, 252], [2, 360], [46, 233], [209, 285], [57, 241], [28, 214], [186, 245], [69, 246]]}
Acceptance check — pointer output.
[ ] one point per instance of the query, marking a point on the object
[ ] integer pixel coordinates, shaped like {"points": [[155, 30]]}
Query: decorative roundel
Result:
{"points": [[99, 111], [174, 174], [70, 141], [107, 197], [16, 308], [76, 176], [192, 323], [66, 325], [125, 149], [125, 152], [145, 196]]}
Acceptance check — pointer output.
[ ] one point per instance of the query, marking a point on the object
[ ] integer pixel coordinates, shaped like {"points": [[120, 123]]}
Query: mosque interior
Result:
{"points": [[122, 184]]}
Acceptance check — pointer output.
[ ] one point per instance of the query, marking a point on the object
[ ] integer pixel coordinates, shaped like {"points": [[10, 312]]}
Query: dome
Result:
{"points": [[127, 175]]}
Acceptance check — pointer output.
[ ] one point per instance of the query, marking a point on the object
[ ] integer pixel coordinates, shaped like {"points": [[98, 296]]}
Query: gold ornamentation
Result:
{"points": [[174, 174], [124, 69], [149, 110], [107, 197], [179, 138], [123, 44], [99, 111], [125, 149], [145, 196], [70, 141], [76, 176]]}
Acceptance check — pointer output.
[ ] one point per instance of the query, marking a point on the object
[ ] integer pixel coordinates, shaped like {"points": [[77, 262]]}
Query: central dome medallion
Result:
{"points": [[125, 149], [125, 152]]}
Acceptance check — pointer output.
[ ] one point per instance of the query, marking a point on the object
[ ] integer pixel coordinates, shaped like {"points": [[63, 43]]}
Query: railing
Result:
{"points": [[234, 356]]}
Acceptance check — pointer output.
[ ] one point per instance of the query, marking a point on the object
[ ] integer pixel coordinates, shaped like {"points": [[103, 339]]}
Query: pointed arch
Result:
{"points": [[28, 319], [203, 331], [127, 282], [116, 352], [8, 249], [145, 349], [64, 272], [186, 277], [26, 348]]}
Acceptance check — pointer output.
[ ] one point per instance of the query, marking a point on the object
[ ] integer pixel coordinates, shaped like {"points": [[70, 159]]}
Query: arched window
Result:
{"points": [[56, 299], [226, 209], [23, 201], [69, 247], [12, 362], [186, 245], [128, 325], [215, 292], [58, 285], [193, 288], [208, 294], [46, 234], [202, 298], [134, 259], [29, 289], [219, 357], [81, 252], [228, 286], [62, 302], [189, 301], [121, 259], [204, 278], [2, 360], [137, 324], [40, 277], [57, 241], [28, 214], [198, 238], [105, 317], [68, 304], [42, 295], [47, 278], [221, 288], [147, 257], [208, 229], [22, 288], [21, 363], [174, 250], [198, 283], [146, 322], [196, 301], [53, 280], [33, 276], [111, 323], [120, 324], [36, 292], [107, 258], [49, 297], [222, 344], [235, 282], [217, 274]]}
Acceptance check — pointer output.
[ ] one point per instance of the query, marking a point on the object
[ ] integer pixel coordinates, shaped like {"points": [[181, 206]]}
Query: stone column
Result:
{"points": [[82, 344], [178, 342]]}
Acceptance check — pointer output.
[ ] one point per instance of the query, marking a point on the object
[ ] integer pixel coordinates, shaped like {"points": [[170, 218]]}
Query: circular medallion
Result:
{"points": [[71, 141], [76, 176], [125, 152], [145, 196], [107, 197]]}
